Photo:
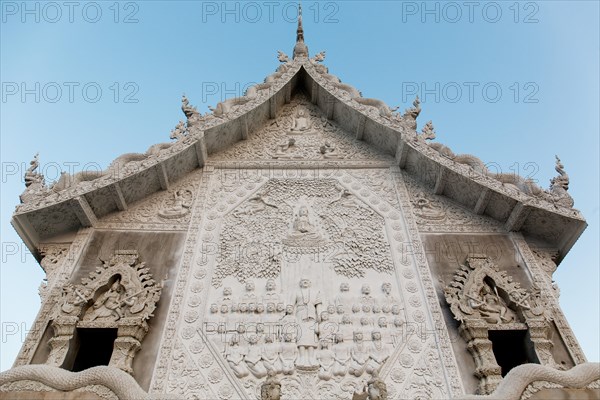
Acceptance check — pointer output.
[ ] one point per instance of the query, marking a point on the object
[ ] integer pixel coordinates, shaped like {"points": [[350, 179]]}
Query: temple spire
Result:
{"points": [[300, 30], [300, 50]]}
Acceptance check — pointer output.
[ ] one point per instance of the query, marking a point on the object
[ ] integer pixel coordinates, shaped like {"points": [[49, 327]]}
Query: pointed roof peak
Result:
{"points": [[300, 50], [300, 30]]}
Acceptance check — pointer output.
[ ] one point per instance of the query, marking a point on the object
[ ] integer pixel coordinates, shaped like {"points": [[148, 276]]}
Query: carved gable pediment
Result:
{"points": [[301, 132]]}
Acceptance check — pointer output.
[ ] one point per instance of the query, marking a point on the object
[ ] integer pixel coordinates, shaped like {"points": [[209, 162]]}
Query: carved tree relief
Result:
{"points": [[288, 218]]}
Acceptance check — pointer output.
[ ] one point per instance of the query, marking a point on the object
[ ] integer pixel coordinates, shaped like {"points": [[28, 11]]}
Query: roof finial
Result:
{"points": [[300, 50], [300, 30]]}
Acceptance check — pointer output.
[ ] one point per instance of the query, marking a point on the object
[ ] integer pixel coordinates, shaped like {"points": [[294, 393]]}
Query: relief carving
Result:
{"points": [[439, 214], [178, 206], [120, 294], [301, 132], [310, 334], [484, 298], [170, 207], [288, 219], [52, 257], [35, 185]]}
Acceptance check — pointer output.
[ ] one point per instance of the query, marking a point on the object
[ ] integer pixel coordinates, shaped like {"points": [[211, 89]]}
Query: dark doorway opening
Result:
{"points": [[511, 349], [95, 347]]}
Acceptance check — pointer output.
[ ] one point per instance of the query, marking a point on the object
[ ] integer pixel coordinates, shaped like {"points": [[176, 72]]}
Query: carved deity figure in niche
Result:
{"points": [[307, 305], [301, 121], [178, 206], [490, 305], [424, 209], [110, 304]]}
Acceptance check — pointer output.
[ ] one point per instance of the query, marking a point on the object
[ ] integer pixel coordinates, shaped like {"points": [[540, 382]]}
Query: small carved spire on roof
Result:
{"points": [[179, 132], [300, 30], [319, 57], [31, 175], [300, 49], [413, 112], [282, 57], [428, 131], [191, 113], [35, 184], [559, 187], [562, 180]]}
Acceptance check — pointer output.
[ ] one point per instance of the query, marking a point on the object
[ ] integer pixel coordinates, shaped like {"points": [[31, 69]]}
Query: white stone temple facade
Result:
{"points": [[299, 242]]}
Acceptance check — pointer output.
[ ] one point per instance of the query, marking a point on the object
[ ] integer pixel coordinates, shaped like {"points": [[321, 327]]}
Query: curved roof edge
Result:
{"points": [[81, 199]]}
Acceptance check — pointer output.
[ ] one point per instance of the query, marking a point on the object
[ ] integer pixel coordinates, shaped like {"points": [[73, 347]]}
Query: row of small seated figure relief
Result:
{"points": [[332, 356], [272, 302], [345, 327], [333, 316]]}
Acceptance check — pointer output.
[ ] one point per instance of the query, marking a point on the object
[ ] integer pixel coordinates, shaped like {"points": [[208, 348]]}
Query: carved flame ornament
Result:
{"points": [[120, 294], [484, 298]]}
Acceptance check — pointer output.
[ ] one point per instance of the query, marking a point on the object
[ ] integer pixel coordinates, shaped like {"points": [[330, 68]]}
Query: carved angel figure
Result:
{"points": [[73, 298]]}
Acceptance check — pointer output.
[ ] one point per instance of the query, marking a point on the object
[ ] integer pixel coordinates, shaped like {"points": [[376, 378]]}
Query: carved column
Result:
{"points": [[64, 330], [127, 344], [542, 346], [487, 369]]}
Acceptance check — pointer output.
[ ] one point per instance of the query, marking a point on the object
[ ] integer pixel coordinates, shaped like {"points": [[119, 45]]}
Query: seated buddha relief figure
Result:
{"points": [[301, 122], [302, 227]]}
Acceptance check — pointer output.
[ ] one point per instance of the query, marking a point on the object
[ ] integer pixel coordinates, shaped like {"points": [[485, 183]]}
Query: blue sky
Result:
{"points": [[512, 83]]}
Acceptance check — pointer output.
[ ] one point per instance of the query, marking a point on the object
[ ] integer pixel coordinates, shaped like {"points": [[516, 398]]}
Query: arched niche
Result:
{"points": [[504, 324], [107, 311]]}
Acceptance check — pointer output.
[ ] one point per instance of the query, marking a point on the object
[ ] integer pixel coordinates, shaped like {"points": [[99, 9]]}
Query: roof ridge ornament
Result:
{"points": [[300, 49]]}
